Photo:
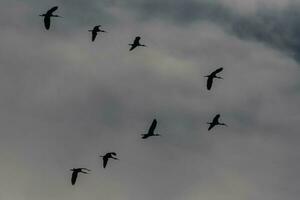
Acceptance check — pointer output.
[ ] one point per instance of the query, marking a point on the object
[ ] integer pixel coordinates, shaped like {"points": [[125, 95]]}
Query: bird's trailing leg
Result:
{"points": [[56, 16], [223, 124]]}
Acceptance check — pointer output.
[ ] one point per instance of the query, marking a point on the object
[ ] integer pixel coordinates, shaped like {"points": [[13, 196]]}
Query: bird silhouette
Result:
{"points": [[75, 173], [136, 43], [211, 77], [47, 16], [151, 130], [215, 122], [95, 31], [107, 156]]}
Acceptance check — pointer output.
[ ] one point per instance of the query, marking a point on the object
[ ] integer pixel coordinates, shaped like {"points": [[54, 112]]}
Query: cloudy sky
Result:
{"points": [[65, 99]]}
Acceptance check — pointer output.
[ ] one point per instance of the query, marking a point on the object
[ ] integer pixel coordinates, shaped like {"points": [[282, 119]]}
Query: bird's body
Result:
{"points": [[136, 43], [151, 130], [215, 122], [95, 31], [47, 17], [107, 156], [212, 76], [75, 172]]}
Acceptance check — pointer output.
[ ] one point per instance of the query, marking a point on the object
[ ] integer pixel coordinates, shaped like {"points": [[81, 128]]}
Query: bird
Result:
{"points": [[151, 130], [95, 31], [215, 122], [211, 76], [48, 15], [136, 43], [107, 156], [75, 173]]}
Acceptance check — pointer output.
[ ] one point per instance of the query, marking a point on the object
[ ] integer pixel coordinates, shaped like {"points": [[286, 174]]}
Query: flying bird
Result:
{"points": [[75, 173], [211, 77], [107, 156], [151, 130], [215, 122], [95, 31], [136, 43], [47, 16]]}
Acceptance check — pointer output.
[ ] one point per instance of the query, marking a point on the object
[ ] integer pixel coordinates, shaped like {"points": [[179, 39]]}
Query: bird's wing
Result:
{"points": [[85, 169], [47, 22], [105, 159], [216, 118], [113, 153], [50, 11], [132, 47], [218, 70], [136, 40], [145, 136], [94, 34], [74, 177], [152, 127], [211, 126], [209, 82]]}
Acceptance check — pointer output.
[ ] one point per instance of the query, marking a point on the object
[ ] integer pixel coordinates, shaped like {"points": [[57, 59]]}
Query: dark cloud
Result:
{"points": [[275, 27]]}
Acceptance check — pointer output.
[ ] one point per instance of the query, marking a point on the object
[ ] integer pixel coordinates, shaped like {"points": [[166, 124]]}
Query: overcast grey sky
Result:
{"points": [[65, 99]]}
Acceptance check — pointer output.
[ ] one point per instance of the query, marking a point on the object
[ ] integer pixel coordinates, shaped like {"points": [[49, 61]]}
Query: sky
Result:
{"points": [[64, 100]]}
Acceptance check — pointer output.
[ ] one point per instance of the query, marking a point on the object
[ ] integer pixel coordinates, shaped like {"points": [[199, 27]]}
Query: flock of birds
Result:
{"points": [[151, 132]]}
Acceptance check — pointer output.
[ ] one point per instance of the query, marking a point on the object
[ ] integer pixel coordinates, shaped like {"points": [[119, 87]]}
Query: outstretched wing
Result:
{"points": [[211, 126], [132, 47], [47, 22], [218, 70], [94, 34], [145, 136], [50, 11], [152, 127], [85, 169], [136, 40], [113, 153], [105, 159], [216, 118], [209, 82], [74, 177]]}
